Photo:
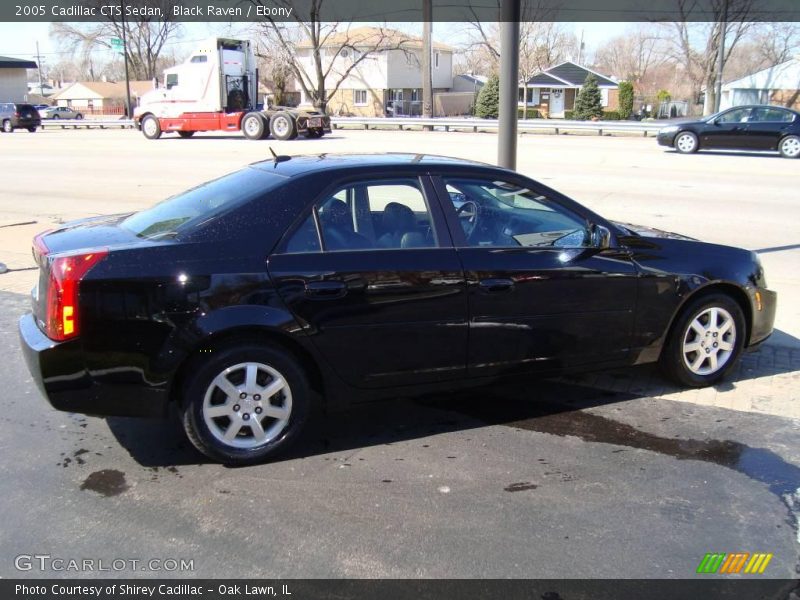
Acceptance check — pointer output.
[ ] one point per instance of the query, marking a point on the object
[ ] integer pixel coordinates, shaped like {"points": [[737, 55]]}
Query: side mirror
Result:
{"points": [[600, 236]]}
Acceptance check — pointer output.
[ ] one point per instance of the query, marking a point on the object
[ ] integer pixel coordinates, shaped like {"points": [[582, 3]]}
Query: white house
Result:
{"points": [[100, 96], [388, 81], [779, 84], [14, 79]]}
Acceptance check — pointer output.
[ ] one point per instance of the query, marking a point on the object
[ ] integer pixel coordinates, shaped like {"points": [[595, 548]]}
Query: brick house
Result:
{"points": [[553, 91]]}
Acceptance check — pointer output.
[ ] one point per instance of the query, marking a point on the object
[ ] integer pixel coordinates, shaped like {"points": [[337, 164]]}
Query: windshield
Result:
{"points": [[200, 204]]}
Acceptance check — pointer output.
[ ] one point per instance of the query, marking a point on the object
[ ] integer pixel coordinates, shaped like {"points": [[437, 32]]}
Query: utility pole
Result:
{"points": [[128, 111], [39, 68], [509, 84], [427, 51], [723, 26]]}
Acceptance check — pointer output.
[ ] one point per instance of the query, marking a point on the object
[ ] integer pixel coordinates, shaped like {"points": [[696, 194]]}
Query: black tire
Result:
{"points": [[254, 126], [151, 128], [186, 134], [789, 147], [32, 129], [301, 399], [686, 142], [315, 133], [675, 356], [79, 116], [55, 116], [8, 127], [282, 126]]}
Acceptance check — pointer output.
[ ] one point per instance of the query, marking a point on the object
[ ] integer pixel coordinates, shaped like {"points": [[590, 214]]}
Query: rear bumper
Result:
{"points": [[764, 319], [58, 369]]}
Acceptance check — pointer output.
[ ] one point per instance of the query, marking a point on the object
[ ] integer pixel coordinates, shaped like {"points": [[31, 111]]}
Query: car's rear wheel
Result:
{"points": [[7, 126], [186, 134], [705, 342], [32, 129], [282, 126], [151, 128], [790, 146], [686, 142], [79, 116], [246, 403]]}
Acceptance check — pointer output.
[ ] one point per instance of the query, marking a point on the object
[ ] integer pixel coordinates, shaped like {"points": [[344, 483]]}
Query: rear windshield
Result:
{"points": [[21, 107], [201, 204]]}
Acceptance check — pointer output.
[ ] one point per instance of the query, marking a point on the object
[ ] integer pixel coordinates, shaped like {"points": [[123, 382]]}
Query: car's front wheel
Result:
{"points": [[246, 403], [32, 129], [705, 341], [7, 126], [686, 142], [790, 146]]}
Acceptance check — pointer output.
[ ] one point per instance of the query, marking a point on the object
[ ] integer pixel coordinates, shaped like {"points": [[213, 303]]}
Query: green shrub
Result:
{"points": [[569, 115], [611, 115], [488, 104], [532, 113], [589, 103], [625, 99]]}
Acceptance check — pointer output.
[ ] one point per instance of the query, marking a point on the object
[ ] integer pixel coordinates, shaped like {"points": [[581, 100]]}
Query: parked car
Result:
{"points": [[41, 106], [294, 284], [60, 112], [17, 115], [740, 128]]}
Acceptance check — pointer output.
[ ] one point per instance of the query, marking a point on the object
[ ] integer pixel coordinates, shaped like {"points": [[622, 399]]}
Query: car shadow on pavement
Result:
{"points": [[764, 154]]}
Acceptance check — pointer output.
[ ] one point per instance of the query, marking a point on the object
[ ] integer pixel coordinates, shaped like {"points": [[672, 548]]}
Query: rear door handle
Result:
{"points": [[496, 285], [326, 289]]}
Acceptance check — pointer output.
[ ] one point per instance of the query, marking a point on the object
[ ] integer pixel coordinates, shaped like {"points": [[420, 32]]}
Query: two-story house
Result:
{"points": [[387, 79]]}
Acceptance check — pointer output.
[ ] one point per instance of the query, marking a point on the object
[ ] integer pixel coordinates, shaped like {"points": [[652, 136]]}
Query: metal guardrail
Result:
{"points": [[86, 123], [556, 125], [440, 123]]}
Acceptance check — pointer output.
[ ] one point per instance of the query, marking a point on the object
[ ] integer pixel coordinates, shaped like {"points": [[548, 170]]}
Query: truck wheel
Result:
{"points": [[282, 126], [253, 126], [151, 128], [315, 133]]}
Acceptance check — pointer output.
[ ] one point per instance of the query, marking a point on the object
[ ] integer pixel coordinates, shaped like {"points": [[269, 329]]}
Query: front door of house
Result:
{"points": [[557, 102]]}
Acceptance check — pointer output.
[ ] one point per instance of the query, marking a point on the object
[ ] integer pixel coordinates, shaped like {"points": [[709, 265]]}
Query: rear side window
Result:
{"points": [[201, 204], [771, 115]]}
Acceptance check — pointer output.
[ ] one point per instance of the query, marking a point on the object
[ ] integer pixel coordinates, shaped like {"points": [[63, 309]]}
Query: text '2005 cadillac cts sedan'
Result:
{"points": [[311, 282]]}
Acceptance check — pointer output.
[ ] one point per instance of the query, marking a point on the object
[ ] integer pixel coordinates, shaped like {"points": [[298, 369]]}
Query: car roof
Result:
{"points": [[289, 166], [786, 108]]}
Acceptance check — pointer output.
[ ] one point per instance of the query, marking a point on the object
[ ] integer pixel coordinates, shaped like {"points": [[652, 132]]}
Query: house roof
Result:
{"points": [[379, 37], [569, 74], [783, 76], [102, 89], [7, 62], [479, 79]]}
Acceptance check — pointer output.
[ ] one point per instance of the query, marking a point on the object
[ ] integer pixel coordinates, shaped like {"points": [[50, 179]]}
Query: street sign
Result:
{"points": [[116, 45]]}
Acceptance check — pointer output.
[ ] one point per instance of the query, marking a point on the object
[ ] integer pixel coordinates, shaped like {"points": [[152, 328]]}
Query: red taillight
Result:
{"points": [[66, 272], [16, 114]]}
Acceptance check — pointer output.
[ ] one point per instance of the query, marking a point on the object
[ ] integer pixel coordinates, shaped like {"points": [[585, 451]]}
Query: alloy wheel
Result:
{"points": [[709, 341]]}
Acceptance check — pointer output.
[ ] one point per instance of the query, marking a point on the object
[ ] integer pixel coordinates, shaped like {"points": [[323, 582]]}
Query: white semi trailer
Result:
{"points": [[216, 89]]}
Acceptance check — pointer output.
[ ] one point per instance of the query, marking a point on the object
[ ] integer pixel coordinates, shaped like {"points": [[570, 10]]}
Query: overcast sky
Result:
{"points": [[19, 39]]}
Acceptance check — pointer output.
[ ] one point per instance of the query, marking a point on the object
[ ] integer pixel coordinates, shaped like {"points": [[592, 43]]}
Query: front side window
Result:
{"points": [[738, 115], [503, 214]]}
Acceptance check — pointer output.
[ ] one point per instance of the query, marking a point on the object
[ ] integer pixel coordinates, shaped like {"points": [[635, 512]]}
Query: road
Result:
{"points": [[551, 480]]}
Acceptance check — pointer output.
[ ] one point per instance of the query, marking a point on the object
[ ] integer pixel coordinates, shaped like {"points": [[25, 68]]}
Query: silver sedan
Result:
{"points": [[60, 112]]}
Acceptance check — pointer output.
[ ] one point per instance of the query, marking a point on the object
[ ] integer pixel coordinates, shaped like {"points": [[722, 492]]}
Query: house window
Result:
{"points": [[436, 60], [360, 97], [604, 96], [397, 95], [415, 95]]}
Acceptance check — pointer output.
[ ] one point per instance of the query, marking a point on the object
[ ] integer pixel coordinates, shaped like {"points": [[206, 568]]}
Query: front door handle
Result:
{"points": [[326, 289], [496, 285]]}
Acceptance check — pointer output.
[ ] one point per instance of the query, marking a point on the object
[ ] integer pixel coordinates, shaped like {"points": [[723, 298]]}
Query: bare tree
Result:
{"points": [[146, 38], [633, 55], [323, 46], [697, 45]]}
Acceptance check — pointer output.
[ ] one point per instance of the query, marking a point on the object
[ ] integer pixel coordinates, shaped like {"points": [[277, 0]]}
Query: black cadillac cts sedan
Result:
{"points": [[292, 285], [758, 127]]}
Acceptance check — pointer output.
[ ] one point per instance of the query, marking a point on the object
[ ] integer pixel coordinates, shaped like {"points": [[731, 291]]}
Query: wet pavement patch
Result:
{"points": [[108, 482], [521, 486]]}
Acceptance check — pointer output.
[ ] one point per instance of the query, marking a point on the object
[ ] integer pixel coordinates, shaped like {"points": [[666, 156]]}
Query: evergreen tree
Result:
{"points": [[625, 99], [488, 104], [589, 103]]}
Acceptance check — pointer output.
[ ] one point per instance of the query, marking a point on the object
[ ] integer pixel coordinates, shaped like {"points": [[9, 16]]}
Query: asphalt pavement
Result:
{"points": [[545, 480]]}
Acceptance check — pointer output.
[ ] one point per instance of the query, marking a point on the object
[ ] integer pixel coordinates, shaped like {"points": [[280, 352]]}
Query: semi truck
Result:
{"points": [[216, 89]]}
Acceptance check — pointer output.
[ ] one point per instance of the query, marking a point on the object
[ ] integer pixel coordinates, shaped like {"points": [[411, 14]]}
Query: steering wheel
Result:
{"points": [[467, 215]]}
